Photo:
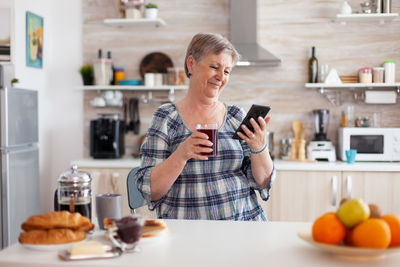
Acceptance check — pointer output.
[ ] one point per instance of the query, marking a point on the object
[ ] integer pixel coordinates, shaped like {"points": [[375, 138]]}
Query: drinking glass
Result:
{"points": [[210, 129]]}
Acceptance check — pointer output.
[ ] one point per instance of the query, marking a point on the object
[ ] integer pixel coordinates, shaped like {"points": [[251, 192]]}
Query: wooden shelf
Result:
{"points": [[382, 17], [132, 22], [133, 88], [374, 86]]}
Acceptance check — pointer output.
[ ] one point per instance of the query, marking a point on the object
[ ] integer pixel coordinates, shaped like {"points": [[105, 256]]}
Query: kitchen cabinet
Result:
{"points": [[306, 195], [113, 181], [303, 195], [381, 188]]}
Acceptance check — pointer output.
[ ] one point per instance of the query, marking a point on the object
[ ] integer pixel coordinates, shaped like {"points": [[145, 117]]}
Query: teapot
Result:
{"points": [[74, 192]]}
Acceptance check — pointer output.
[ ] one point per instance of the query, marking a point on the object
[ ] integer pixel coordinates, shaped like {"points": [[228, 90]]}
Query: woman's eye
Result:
{"points": [[227, 72], [214, 67]]}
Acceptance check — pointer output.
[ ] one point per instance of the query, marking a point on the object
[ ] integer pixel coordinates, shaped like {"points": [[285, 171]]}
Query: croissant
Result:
{"points": [[52, 236], [58, 219]]}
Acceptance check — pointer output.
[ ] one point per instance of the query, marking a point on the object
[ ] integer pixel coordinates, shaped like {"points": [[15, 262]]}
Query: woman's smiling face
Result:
{"points": [[211, 73]]}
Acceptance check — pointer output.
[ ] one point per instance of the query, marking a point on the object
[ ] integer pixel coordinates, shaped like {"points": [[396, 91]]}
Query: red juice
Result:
{"points": [[213, 137]]}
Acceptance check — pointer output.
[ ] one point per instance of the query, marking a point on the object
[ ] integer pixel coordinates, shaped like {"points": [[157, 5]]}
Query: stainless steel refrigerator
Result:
{"points": [[19, 157]]}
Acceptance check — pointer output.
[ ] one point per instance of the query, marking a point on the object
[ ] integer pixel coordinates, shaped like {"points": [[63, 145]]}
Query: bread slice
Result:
{"points": [[153, 228]]}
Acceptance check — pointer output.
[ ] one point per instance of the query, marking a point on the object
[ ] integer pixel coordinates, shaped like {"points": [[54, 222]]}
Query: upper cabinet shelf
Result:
{"points": [[134, 88], [134, 22], [382, 17], [354, 85]]}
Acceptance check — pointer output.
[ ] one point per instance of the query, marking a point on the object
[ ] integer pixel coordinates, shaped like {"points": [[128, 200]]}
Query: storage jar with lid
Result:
{"points": [[365, 75], [176, 76], [74, 192], [119, 75], [390, 71], [377, 76]]}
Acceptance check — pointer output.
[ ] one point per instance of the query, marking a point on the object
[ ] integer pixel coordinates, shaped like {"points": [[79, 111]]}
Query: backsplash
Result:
{"points": [[286, 28]]}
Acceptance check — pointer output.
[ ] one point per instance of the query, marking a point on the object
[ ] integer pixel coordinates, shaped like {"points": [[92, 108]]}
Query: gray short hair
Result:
{"points": [[203, 44]]}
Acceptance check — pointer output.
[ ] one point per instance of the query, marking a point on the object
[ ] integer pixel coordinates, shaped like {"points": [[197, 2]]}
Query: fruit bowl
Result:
{"points": [[354, 253]]}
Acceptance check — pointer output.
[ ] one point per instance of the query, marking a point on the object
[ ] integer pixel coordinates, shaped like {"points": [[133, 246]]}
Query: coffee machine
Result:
{"points": [[320, 148], [107, 137]]}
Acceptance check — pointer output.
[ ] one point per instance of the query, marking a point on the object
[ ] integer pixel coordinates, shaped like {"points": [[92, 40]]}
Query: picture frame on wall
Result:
{"points": [[34, 40], [5, 35]]}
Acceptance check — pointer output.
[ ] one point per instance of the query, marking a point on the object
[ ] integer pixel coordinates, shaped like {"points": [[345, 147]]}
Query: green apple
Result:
{"points": [[353, 211]]}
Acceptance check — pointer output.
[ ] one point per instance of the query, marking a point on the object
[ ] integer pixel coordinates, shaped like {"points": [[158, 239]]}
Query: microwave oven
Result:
{"points": [[372, 144]]}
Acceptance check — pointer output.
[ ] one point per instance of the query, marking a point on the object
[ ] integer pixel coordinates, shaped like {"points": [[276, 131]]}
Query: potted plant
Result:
{"points": [[151, 11], [87, 74], [14, 81]]}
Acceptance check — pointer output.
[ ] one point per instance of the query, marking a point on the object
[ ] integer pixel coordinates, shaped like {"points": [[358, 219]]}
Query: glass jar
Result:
{"points": [[74, 192], [176, 76], [133, 9], [378, 75], [365, 75], [284, 148]]}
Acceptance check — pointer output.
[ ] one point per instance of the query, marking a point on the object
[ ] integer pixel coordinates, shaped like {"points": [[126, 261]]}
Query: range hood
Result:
{"points": [[243, 35]]}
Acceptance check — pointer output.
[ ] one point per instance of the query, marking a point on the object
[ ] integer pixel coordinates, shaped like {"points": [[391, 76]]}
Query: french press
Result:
{"points": [[74, 192]]}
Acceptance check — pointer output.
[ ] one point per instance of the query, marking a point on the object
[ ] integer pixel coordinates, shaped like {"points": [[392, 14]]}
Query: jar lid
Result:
{"points": [[389, 61], [118, 69], [74, 176], [366, 69]]}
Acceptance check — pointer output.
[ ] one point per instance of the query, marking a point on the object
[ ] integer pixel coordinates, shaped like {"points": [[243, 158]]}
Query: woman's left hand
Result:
{"points": [[257, 139]]}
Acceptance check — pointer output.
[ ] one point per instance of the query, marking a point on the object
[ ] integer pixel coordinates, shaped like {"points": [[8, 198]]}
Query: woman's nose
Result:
{"points": [[220, 75]]}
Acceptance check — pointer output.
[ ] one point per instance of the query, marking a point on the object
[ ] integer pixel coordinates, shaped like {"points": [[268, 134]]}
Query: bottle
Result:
{"points": [[112, 79], [313, 68], [99, 54], [344, 120]]}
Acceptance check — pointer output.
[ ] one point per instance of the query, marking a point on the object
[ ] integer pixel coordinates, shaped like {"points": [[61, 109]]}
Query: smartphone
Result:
{"points": [[254, 112]]}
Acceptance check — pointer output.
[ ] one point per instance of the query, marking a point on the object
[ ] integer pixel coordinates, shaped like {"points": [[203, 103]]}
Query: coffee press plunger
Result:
{"points": [[74, 192]]}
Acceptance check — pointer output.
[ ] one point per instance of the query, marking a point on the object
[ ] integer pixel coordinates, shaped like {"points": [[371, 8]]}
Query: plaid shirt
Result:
{"points": [[220, 188]]}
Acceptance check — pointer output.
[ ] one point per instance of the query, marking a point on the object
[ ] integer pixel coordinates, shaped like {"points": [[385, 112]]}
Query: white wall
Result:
{"points": [[60, 103]]}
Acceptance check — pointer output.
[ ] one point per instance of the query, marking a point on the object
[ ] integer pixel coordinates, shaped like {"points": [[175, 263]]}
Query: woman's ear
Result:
{"points": [[190, 63]]}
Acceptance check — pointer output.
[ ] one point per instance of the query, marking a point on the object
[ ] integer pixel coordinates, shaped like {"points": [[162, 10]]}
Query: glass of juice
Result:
{"points": [[210, 129]]}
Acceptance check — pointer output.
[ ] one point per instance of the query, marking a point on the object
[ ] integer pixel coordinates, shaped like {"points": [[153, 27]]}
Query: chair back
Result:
{"points": [[135, 198]]}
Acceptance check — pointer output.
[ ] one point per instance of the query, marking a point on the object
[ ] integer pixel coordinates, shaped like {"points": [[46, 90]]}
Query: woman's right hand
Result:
{"points": [[197, 142]]}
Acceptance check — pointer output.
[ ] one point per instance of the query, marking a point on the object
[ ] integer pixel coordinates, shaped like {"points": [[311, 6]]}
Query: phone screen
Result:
{"points": [[254, 112]]}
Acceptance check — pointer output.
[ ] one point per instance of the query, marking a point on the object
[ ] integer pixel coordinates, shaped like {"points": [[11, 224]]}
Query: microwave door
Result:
{"points": [[370, 147]]}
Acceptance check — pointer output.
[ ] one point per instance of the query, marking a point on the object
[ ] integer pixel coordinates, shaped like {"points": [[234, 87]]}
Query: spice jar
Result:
{"points": [[365, 75]]}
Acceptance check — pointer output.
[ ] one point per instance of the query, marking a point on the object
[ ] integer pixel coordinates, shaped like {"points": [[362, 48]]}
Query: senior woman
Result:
{"points": [[175, 178]]}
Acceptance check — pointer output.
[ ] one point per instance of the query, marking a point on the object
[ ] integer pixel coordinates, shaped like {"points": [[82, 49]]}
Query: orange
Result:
{"points": [[328, 229], [393, 221], [372, 233]]}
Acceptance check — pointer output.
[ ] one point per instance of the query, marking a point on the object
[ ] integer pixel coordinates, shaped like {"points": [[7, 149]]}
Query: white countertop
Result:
{"points": [[208, 243], [279, 164]]}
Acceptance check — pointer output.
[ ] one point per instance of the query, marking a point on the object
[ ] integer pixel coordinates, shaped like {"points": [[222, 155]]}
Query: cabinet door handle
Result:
{"points": [[349, 184], [334, 190]]}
